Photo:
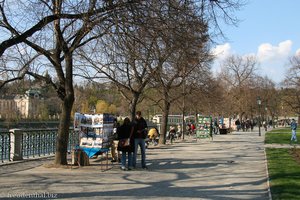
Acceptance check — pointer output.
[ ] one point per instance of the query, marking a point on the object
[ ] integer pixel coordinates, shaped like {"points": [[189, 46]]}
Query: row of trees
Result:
{"points": [[216, 98], [158, 50], [242, 86], [232, 93]]}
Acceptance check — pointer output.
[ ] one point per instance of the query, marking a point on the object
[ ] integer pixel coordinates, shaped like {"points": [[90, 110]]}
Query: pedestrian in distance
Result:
{"points": [[238, 124], [215, 126], [172, 134], [294, 128], [193, 129], [178, 133], [140, 132], [251, 125], [265, 125]]}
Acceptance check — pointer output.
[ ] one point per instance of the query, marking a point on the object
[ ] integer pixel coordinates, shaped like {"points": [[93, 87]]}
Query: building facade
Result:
{"points": [[21, 106]]}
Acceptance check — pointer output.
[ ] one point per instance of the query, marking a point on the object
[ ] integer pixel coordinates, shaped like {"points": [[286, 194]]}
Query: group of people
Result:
{"points": [[245, 125], [136, 132], [191, 129], [293, 126], [175, 133]]}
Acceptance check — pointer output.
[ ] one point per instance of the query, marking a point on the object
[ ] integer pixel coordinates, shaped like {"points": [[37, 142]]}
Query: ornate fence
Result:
{"points": [[5, 146], [18, 144]]}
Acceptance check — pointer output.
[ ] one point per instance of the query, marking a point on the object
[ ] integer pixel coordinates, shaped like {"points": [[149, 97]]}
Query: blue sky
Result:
{"points": [[270, 30]]}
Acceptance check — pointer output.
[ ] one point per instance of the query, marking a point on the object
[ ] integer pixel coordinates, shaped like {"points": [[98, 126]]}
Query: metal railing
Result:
{"points": [[20, 144], [36, 143], [5, 146]]}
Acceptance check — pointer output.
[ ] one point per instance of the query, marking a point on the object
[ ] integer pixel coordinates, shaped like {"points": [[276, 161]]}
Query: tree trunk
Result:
{"points": [[133, 104], [63, 132], [163, 132], [65, 116]]}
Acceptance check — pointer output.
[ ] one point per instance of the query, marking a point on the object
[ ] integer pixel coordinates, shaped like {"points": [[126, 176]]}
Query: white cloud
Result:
{"points": [[268, 52], [222, 51], [297, 52], [272, 59]]}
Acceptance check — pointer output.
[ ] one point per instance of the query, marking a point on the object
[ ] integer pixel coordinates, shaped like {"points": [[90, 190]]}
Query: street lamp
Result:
{"points": [[266, 109], [259, 104]]}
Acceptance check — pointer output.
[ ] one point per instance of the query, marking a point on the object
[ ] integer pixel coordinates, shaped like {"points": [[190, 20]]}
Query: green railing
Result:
{"points": [[5, 146], [36, 143], [21, 144]]}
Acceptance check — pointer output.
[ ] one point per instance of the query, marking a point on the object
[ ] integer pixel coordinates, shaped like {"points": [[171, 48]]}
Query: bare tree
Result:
{"points": [[238, 75], [291, 93], [18, 36], [54, 42], [179, 56], [54, 48], [204, 94], [120, 60], [179, 50]]}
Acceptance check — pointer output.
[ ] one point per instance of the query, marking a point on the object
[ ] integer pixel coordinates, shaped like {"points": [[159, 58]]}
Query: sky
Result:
{"points": [[269, 30]]}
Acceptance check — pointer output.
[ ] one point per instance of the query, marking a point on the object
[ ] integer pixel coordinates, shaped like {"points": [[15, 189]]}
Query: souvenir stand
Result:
{"points": [[227, 126], [95, 133], [203, 127]]}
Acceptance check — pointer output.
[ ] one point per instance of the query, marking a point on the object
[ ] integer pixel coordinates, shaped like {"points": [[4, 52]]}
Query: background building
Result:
{"points": [[21, 106]]}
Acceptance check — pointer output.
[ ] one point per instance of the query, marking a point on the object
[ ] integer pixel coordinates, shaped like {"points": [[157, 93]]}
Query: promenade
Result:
{"points": [[231, 166]]}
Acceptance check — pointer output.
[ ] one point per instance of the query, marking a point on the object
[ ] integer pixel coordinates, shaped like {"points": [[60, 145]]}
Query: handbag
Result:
{"points": [[124, 142]]}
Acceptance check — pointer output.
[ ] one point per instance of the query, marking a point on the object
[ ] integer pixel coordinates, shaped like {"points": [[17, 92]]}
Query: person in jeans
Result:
{"points": [[294, 128], [139, 133], [124, 132]]}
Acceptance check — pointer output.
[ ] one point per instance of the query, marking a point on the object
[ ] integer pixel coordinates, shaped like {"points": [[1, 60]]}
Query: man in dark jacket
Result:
{"points": [[139, 135]]}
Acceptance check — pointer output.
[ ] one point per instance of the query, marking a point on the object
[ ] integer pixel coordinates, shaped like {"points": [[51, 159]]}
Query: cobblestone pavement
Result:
{"points": [[231, 166]]}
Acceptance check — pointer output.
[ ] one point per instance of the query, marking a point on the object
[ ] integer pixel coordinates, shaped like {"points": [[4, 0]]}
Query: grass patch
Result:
{"points": [[278, 136], [284, 173], [281, 130]]}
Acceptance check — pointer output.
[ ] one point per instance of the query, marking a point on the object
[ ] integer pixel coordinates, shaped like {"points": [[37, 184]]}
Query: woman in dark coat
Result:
{"points": [[124, 132]]}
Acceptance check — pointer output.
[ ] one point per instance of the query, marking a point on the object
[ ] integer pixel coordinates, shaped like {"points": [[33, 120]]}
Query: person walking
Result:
{"points": [[178, 133], [294, 128], [124, 133], [139, 133], [215, 126], [172, 134], [238, 124]]}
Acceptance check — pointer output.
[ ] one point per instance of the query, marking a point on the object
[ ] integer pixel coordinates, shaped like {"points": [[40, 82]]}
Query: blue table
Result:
{"points": [[90, 152]]}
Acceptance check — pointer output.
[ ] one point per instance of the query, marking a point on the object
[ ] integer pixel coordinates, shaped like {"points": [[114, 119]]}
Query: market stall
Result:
{"points": [[203, 127], [95, 133], [226, 126]]}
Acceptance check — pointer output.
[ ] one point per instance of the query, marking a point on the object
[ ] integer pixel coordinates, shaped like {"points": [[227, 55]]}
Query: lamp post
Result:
{"points": [[259, 104], [266, 109]]}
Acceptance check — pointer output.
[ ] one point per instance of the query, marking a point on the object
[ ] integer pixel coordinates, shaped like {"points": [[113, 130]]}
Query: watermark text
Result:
{"points": [[35, 195]]}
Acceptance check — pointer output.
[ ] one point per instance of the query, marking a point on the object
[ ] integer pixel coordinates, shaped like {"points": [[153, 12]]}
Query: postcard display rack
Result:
{"points": [[203, 127], [95, 132]]}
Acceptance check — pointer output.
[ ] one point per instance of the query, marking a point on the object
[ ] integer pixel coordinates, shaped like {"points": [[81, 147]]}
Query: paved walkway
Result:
{"points": [[231, 166]]}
